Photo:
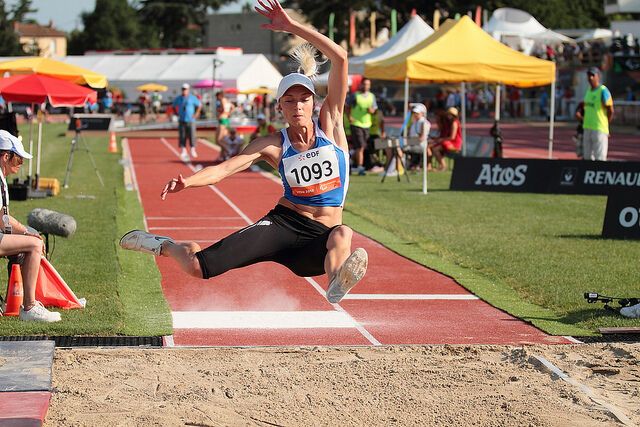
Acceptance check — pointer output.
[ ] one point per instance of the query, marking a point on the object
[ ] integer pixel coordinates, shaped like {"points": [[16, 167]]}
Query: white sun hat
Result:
{"points": [[9, 142], [294, 79]]}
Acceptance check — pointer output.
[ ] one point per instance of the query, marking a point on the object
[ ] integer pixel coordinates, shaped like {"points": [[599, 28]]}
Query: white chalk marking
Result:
{"points": [[410, 297], [261, 320], [168, 341], [572, 339]]}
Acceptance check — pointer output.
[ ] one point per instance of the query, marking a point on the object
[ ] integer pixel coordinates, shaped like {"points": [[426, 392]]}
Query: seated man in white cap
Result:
{"points": [[16, 238], [418, 134]]}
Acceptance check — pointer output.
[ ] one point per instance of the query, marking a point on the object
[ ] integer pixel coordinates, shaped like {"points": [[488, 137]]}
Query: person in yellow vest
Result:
{"points": [[598, 113], [361, 106], [264, 128]]}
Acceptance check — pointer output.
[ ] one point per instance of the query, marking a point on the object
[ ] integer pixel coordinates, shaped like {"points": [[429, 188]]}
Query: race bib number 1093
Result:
{"points": [[312, 172]]}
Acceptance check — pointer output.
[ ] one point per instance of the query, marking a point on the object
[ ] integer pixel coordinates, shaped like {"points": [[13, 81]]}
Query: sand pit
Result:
{"points": [[412, 385]]}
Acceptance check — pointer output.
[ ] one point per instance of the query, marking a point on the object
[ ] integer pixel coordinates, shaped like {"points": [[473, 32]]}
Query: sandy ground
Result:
{"points": [[407, 385]]}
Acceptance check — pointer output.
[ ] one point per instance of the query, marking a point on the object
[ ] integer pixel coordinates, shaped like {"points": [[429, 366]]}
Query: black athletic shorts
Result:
{"points": [[283, 236], [359, 137]]}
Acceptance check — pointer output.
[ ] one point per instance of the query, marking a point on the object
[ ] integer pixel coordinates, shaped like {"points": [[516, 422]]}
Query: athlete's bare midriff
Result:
{"points": [[327, 215]]}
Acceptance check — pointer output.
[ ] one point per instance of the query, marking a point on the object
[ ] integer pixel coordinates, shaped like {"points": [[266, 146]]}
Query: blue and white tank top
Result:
{"points": [[316, 177]]}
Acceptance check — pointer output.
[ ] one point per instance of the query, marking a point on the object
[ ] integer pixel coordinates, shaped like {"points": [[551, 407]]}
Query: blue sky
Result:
{"points": [[65, 14]]}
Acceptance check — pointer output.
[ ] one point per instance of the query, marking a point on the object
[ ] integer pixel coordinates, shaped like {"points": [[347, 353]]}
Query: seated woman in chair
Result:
{"points": [[450, 139], [16, 238]]}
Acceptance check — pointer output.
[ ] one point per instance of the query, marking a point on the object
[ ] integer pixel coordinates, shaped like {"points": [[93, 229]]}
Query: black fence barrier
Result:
{"points": [[545, 176], [622, 217]]}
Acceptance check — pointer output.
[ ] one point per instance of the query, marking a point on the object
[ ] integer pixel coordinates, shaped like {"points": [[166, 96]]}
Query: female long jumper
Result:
{"points": [[304, 231]]}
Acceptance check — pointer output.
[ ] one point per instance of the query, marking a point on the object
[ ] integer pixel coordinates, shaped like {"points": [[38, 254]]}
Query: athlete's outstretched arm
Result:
{"points": [[259, 149], [338, 76]]}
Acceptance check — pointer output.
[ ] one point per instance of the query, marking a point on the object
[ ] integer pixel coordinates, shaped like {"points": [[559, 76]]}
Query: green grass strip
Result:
{"points": [[122, 288]]}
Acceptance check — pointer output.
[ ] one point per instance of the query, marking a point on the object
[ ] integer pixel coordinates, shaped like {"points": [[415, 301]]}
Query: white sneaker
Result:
{"points": [[141, 241], [348, 275], [194, 154], [632, 312], [184, 156], [38, 313]]}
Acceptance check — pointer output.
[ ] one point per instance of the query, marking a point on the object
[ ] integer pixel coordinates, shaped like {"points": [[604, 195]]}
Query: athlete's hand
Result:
{"points": [[173, 186], [273, 11]]}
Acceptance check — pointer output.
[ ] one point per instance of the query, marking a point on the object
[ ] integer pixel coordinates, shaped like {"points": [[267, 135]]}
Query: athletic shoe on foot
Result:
{"points": [[37, 313], [350, 273], [194, 154], [184, 156], [141, 241], [632, 312]]}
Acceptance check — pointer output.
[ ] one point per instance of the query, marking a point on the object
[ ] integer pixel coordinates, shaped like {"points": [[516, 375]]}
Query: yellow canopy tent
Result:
{"points": [[460, 51], [53, 68]]}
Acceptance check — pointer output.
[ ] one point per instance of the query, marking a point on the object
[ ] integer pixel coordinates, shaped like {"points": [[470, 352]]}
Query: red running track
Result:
{"points": [[398, 302]]}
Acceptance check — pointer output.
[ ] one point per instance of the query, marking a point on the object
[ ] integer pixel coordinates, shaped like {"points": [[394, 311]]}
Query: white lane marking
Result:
{"points": [[357, 325], [410, 297], [260, 319], [209, 144], [572, 339], [195, 228], [617, 412], [171, 218], [168, 341], [316, 286], [125, 146], [218, 192]]}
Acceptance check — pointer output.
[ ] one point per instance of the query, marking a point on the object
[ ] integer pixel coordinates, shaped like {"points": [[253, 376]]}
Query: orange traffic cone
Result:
{"points": [[113, 145], [14, 292]]}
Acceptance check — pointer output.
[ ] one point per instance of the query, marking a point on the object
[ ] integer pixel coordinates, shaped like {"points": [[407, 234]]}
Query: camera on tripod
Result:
{"points": [[593, 297]]}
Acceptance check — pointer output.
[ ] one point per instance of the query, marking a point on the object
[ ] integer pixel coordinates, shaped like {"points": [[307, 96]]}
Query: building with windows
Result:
{"points": [[41, 40], [624, 7]]}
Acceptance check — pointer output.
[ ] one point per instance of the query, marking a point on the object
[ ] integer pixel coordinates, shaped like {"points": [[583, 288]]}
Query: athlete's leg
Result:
{"points": [[338, 249], [344, 268], [185, 255]]}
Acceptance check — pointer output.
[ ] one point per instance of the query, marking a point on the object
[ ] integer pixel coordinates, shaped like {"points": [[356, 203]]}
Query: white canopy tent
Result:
{"points": [[518, 29], [239, 71], [412, 33], [596, 34]]}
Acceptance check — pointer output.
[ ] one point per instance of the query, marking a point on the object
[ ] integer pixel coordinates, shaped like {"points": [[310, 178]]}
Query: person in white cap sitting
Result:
{"points": [[418, 134], [304, 232], [16, 238]]}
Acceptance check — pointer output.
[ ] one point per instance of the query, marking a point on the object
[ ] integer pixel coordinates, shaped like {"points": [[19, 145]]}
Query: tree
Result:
{"points": [[177, 23], [9, 44], [113, 24]]}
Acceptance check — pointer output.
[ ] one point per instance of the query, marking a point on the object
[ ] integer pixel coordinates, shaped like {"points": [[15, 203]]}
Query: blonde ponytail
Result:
{"points": [[305, 57]]}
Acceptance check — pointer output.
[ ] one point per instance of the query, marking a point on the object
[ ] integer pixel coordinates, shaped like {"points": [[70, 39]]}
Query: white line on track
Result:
{"points": [[171, 218], [614, 410], [316, 286], [449, 297], [572, 339], [261, 319], [218, 192], [195, 228]]}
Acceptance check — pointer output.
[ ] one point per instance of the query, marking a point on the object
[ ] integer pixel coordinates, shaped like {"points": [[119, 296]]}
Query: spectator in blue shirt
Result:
{"points": [[187, 107]]}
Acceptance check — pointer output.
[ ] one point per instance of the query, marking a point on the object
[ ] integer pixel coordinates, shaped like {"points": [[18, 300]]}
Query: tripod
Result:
{"points": [[74, 146], [396, 156]]}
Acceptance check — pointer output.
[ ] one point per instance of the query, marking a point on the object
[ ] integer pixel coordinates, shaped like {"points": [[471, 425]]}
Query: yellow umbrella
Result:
{"points": [[258, 90], [53, 68], [150, 87]]}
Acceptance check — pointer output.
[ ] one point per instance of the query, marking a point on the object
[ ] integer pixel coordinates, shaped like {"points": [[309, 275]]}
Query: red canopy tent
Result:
{"points": [[36, 89]]}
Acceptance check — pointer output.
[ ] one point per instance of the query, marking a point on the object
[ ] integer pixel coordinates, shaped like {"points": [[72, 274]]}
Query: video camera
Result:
{"points": [[593, 297]]}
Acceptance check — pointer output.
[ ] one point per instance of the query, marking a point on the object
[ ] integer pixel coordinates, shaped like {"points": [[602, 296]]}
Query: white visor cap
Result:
{"points": [[9, 142], [294, 79]]}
